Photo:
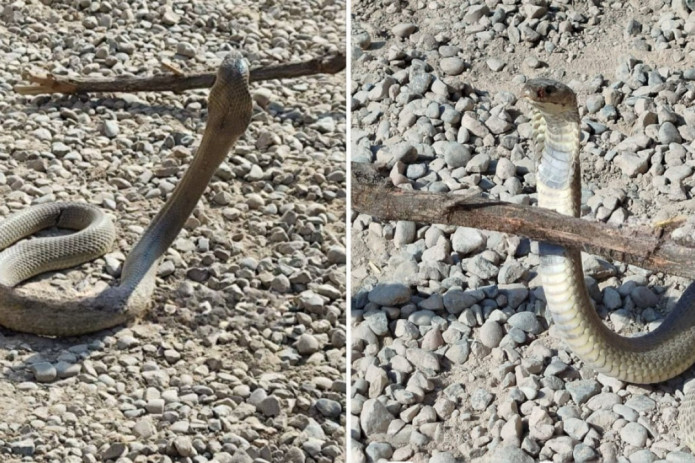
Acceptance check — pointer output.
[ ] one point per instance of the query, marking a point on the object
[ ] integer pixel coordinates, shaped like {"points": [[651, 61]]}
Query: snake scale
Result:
{"points": [[656, 356], [229, 114]]}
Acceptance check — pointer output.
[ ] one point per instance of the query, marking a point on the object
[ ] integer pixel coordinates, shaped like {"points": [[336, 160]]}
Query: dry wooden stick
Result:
{"points": [[376, 196], [171, 82]]}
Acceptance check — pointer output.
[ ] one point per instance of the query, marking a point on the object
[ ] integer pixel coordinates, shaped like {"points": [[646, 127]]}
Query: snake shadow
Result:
{"points": [[23, 352], [297, 114], [197, 309], [131, 105]]}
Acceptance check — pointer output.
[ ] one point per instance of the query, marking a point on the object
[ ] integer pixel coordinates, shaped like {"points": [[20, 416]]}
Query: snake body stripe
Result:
{"points": [[653, 357], [229, 113]]}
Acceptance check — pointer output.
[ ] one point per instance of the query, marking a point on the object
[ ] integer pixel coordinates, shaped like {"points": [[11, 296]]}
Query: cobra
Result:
{"points": [[656, 356], [229, 114]]}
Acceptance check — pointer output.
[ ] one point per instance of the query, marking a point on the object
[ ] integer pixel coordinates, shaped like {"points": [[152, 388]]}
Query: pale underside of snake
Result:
{"points": [[656, 356], [229, 113]]}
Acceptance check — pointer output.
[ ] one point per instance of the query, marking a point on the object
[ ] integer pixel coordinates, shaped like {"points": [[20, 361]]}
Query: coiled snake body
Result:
{"points": [[229, 113], [657, 356]]}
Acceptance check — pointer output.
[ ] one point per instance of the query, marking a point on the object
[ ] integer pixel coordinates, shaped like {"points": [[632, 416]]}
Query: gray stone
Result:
{"points": [[532, 62], [491, 334], [498, 126], [404, 152], [680, 457], [144, 428], [643, 456], [604, 401], [44, 372], [420, 83], [455, 154], [583, 390], [169, 18], [535, 11], [60, 149], [377, 322], [611, 298], [422, 359], [270, 406], [452, 66], [516, 294], [668, 133], [525, 321], [510, 454], [608, 113], [575, 428], [474, 126], [480, 399], [677, 174], [458, 352], [594, 103], [375, 418], [584, 453], [631, 164], [404, 233], [389, 294], [632, 28], [184, 446], [505, 169], [482, 267], [640, 403], [475, 12], [421, 317], [328, 408], [455, 300], [643, 297], [443, 457], [114, 451], [479, 163], [467, 240], [634, 434], [24, 447], [404, 30], [378, 451], [185, 49], [437, 253], [511, 272], [307, 344], [432, 340], [110, 128], [495, 64]]}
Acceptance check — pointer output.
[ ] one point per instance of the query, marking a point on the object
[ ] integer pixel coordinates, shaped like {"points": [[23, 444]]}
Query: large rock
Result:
{"points": [[389, 294], [375, 418]]}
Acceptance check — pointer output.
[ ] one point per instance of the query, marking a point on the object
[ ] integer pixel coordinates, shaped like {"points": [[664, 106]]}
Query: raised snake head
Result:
{"points": [[549, 96]]}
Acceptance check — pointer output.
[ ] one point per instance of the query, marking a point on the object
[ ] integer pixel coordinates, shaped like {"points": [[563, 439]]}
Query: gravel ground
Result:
{"points": [[242, 357], [453, 358]]}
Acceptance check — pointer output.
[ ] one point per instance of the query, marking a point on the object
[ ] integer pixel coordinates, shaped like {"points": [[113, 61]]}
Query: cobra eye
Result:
{"points": [[543, 92]]}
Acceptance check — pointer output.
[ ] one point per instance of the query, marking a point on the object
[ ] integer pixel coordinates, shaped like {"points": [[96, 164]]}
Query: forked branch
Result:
{"points": [[175, 82], [374, 195]]}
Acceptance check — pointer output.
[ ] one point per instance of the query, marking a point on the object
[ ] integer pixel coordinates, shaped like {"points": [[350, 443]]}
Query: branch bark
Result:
{"points": [[374, 195], [172, 82]]}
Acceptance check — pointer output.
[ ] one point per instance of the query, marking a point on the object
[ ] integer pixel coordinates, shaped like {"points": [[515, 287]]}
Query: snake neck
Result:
{"points": [[229, 114], [169, 221], [661, 354], [557, 140]]}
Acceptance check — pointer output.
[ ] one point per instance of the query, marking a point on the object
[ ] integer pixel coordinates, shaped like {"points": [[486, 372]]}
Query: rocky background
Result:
{"points": [[453, 359], [242, 357]]}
